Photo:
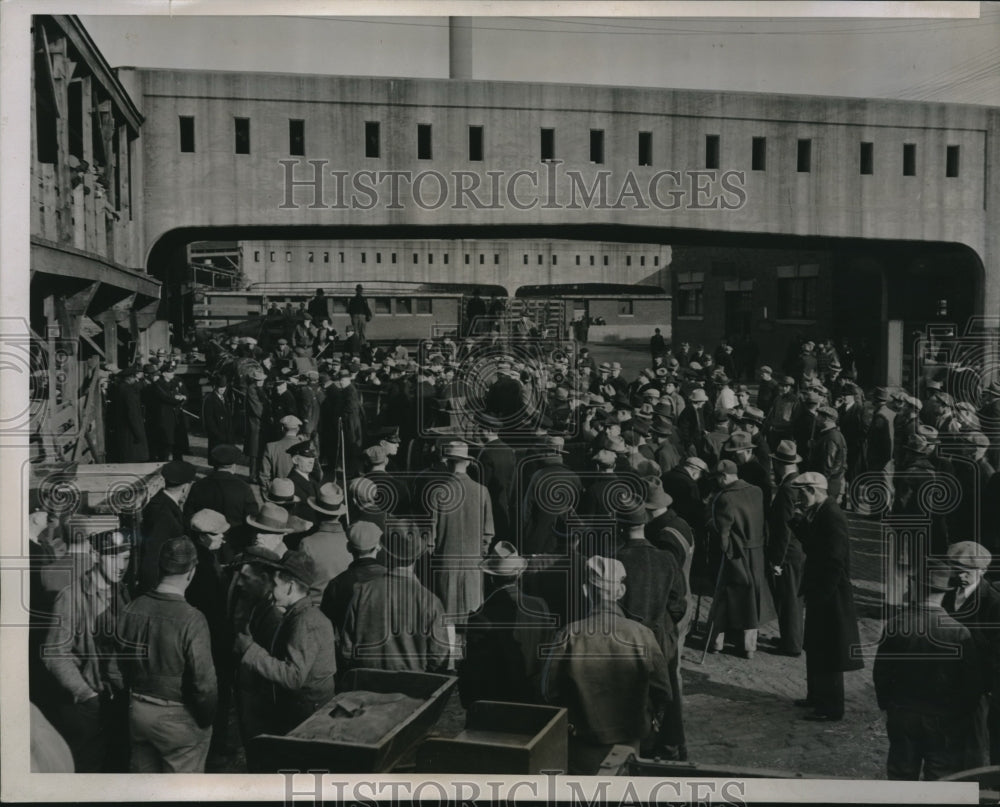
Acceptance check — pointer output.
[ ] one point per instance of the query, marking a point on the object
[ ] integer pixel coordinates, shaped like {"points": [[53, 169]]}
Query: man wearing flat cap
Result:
{"points": [[785, 557], [392, 489], [300, 660], [880, 444], [162, 518], [503, 637], [552, 491], [607, 670], [831, 627], [829, 451], [975, 603], [277, 462], [89, 704], [928, 681], [174, 691]]}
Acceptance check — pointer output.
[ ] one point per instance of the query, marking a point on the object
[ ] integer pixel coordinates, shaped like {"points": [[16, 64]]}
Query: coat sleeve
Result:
{"points": [[831, 571], [204, 694], [136, 424], [721, 521], [292, 673], [63, 665]]}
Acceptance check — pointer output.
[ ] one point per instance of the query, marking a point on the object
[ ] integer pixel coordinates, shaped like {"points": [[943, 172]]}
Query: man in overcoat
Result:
{"points": [[130, 443], [497, 465], [551, 492], [784, 552], [831, 629]]}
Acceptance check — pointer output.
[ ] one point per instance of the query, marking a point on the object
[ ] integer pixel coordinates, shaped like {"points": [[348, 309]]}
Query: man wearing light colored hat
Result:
{"points": [[692, 422], [607, 670], [364, 542], [832, 628], [829, 452], [327, 545], [503, 637], [276, 460], [393, 494], [553, 490]]}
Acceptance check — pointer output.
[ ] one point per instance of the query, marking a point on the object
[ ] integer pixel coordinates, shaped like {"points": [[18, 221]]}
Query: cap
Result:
{"points": [[304, 448], [696, 462], [258, 555], [786, 453], [210, 521], [969, 555], [918, 444], [456, 449], [726, 468], [271, 518], [752, 415], [555, 444], [178, 472], [281, 491], [656, 496], [605, 458], [289, 421], [810, 479], [375, 455], [329, 500], [606, 574], [299, 566], [177, 556], [109, 542], [828, 412], [503, 561], [224, 454], [364, 535], [766, 369], [404, 546]]}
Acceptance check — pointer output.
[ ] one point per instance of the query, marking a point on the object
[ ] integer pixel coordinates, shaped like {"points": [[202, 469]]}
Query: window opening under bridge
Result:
{"points": [[867, 158], [242, 132], [187, 133]]}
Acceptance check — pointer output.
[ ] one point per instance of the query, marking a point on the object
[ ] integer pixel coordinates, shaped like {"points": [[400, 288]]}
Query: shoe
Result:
{"points": [[819, 717], [803, 702], [781, 651], [748, 654]]}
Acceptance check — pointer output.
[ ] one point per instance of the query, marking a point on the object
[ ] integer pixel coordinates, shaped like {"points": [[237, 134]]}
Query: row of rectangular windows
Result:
{"points": [[758, 147], [797, 298], [430, 258]]}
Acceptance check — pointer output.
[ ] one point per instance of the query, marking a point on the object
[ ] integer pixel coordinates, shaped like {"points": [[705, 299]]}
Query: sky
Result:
{"points": [[954, 61]]}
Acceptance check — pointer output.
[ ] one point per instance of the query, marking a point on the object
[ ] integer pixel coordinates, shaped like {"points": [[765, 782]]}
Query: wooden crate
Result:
{"points": [[501, 738]]}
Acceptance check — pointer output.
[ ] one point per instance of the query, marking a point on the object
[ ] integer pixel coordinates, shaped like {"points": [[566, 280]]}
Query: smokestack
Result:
{"points": [[460, 47]]}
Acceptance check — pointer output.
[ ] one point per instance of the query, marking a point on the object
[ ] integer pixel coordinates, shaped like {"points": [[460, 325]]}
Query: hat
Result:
{"points": [[168, 367], [281, 491], [257, 374], [224, 454], [555, 444], [455, 449], [605, 458], [503, 561], [828, 412], [375, 455], [765, 369], [661, 372], [928, 432], [616, 444], [661, 425], [299, 566], [813, 397], [604, 367], [258, 555], [651, 392], [788, 380], [632, 512], [696, 366], [726, 468], [810, 479], [329, 500], [938, 575], [177, 472], [271, 518], [364, 535], [934, 383], [289, 421], [721, 415], [786, 453], [656, 496], [752, 415], [178, 556], [282, 341], [606, 574], [722, 378], [738, 441], [918, 444], [698, 395], [880, 394], [969, 555], [696, 462], [303, 448], [404, 546], [109, 542], [209, 521]]}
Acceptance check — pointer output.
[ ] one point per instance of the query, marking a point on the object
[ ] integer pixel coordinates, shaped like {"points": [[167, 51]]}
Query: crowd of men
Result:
{"points": [[534, 522]]}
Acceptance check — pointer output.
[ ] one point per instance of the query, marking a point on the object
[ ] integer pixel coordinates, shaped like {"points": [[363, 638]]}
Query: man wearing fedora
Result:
{"points": [[496, 465], [607, 670], [829, 452], [276, 460], [463, 531], [692, 423], [665, 451], [216, 414], [221, 489], [174, 694], [784, 552], [782, 411], [393, 622], [503, 636], [88, 703], [392, 490], [715, 440], [271, 525], [831, 626], [300, 660], [129, 439], [975, 603], [928, 681], [880, 448], [258, 417], [551, 491], [740, 449], [327, 545], [162, 519]]}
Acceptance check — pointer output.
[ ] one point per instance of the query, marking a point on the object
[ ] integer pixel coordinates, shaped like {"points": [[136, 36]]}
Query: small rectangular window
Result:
{"points": [[476, 143], [628, 260], [341, 254], [424, 305], [466, 258], [242, 129], [642, 260], [310, 257], [711, 151], [758, 154], [482, 259], [625, 308], [415, 257], [430, 257], [392, 258], [867, 165], [326, 257], [656, 260], [909, 160], [445, 258], [605, 260], [645, 148], [597, 146], [591, 260], [364, 257], [383, 305], [288, 257], [555, 259], [496, 259], [187, 133], [339, 305], [548, 144], [577, 260], [372, 142], [540, 260], [272, 257], [423, 141], [256, 256], [804, 157], [404, 305], [378, 257], [525, 260], [297, 138], [951, 166]]}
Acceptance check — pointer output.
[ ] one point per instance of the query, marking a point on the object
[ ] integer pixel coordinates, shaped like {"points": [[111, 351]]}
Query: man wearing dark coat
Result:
{"points": [[740, 449], [216, 417], [989, 415], [831, 629], [257, 421], [784, 552], [829, 452], [742, 601], [222, 490], [130, 443], [505, 397], [163, 412], [497, 464], [283, 404], [880, 444], [551, 492], [346, 409], [503, 636], [162, 519]]}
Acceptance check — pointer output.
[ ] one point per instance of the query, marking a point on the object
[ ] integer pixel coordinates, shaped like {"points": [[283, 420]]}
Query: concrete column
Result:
{"points": [[460, 47]]}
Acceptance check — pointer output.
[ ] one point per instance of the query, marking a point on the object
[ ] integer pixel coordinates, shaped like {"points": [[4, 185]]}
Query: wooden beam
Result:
{"points": [[69, 310]]}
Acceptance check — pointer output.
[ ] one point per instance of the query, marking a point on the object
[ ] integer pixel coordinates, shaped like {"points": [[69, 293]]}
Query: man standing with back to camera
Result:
{"points": [[360, 313]]}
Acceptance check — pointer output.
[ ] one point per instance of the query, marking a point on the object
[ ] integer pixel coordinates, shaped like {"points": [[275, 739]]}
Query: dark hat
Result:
{"points": [[752, 415], [918, 444], [178, 472], [656, 496], [880, 394], [305, 448], [738, 441], [225, 454], [938, 575], [168, 367], [404, 546], [258, 555], [721, 415], [786, 453], [632, 512], [178, 556], [726, 467], [271, 518], [110, 542], [503, 561], [299, 566]]}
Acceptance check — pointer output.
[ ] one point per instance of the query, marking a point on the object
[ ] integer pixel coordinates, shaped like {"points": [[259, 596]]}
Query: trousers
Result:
{"points": [[934, 743], [824, 688], [166, 739]]}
